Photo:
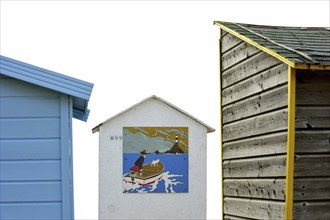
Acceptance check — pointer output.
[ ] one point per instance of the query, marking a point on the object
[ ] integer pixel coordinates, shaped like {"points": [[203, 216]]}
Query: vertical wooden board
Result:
{"points": [[261, 124], [30, 170], [255, 167], [249, 67], [253, 208], [312, 165], [237, 54], [13, 128], [30, 149], [29, 107], [30, 191], [311, 189], [35, 211], [311, 210], [313, 117], [268, 79], [261, 145], [260, 103], [312, 141], [273, 189]]}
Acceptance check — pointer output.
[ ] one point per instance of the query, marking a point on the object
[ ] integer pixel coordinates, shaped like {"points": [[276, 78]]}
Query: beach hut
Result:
{"points": [[36, 110], [275, 115], [152, 163]]}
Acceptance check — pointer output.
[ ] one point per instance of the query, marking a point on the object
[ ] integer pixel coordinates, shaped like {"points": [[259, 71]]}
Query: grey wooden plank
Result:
{"points": [[266, 80], [257, 146], [272, 166], [313, 94], [230, 217], [311, 210], [260, 103], [313, 141], [261, 124], [253, 208], [237, 55], [312, 165], [251, 66], [313, 117], [273, 189], [311, 189], [228, 41]]}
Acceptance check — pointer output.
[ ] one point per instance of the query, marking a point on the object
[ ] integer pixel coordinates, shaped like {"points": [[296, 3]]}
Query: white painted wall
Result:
{"points": [[114, 204]]}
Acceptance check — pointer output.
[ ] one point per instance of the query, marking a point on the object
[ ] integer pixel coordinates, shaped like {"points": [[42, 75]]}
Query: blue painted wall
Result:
{"points": [[35, 145]]}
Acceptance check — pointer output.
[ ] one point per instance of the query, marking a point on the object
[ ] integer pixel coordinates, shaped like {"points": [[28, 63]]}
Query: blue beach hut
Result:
{"points": [[36, 110]]}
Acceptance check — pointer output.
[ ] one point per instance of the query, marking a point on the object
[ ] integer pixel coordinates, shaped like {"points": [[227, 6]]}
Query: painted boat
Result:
{"points": [[150, 173]]}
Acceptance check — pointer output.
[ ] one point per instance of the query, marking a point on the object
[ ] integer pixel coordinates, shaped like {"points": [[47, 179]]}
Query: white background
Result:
{"points": [[133, 49]]}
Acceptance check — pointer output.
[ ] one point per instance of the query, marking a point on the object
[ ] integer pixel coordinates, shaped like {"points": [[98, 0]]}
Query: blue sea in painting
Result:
{"points": [[174, 179]]}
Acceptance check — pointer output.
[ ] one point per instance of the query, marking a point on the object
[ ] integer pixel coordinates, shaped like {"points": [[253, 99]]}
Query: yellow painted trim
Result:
{"points": [[312, 67], [272, 52], [221, 150], [290, 143]]}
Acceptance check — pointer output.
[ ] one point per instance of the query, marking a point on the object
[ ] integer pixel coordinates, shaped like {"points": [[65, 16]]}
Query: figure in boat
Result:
{"points": [[139, 163]]}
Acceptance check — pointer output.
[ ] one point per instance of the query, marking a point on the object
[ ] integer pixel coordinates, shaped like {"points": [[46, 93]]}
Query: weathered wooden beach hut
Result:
{"points": [[36, 110], [275, 115]]}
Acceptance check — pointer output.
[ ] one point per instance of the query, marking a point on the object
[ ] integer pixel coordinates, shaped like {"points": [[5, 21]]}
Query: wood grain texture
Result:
{"points": [[253, 208], [251, 147], [314, 165], [269, 79], [273, 166], [311, 210], [311, 189], [312, 141], [313, 117]]}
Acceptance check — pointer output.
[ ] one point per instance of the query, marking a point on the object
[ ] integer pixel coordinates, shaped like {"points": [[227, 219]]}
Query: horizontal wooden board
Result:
{"points": [[30, 128], [313, 141], [311, 189], [312, 165], [237, 54], [313, 94], [230, 217], [17, 88], [35, 211], [260, 103], [29, 107], [311, 210], [272, 166], [30, 191], [228, 41], [30, 149], [266, 80], [35, 170], [253, 208], [273, 189], [261, 145], [261, 124], [249, 67], [313, 117]]}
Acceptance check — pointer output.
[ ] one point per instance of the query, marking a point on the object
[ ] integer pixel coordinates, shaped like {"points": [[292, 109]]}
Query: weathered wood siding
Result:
{"points": [[254, 131], [312, 147], [35, 126]]}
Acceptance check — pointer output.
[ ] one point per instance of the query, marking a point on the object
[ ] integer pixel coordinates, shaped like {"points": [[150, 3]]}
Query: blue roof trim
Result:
{"points": [[79, 90]]}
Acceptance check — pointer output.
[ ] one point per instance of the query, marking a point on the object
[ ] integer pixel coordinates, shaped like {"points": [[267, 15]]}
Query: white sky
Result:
{"points": [[133, 49]]}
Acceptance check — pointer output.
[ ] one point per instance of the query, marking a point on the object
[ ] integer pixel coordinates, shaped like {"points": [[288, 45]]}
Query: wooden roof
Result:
{"points": [[78, 89], [299, 47]]}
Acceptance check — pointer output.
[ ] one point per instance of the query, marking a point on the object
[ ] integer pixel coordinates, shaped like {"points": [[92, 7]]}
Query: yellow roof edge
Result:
{"points": [[252, 42], [311, 67]]}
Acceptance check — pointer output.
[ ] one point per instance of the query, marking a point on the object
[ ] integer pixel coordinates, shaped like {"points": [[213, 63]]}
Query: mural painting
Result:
{"points": [[155, 159]]}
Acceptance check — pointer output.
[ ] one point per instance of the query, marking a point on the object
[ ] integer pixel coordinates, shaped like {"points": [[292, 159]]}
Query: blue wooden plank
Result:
{"points": [[30, 128], [35, 211], [29, 107], [30, 170], [13, 88], [30, 191], [30, 149]]}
